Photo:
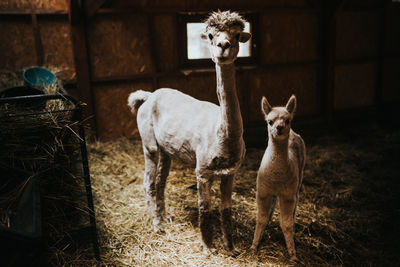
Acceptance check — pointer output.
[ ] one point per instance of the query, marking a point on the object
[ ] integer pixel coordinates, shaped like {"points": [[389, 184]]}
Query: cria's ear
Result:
{"points": [[244, 37], [203, 36], [291, 104], [265, 106]]}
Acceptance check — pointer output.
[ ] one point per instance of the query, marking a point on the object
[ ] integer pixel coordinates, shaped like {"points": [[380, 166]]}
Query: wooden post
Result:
{"points": [[79, 45], [153, 50], [328, 16], [38, 40], [380, 55]]}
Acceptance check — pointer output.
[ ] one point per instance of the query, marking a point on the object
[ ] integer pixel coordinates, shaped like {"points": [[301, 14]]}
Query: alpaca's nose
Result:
{"points": [[224, 44], [279, 128]]}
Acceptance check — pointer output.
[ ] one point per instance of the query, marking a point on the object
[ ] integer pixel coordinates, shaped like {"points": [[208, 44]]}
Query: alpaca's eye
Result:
{"points": [[210, 36], [287, 121], [270, 123], [237, 36]]}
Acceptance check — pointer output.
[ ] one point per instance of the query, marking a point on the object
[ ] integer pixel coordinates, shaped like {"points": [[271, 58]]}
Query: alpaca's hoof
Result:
{"points": [[253, 249], [158, 229], [209, 250], [293, 258], [168, 218], [234, 252]]}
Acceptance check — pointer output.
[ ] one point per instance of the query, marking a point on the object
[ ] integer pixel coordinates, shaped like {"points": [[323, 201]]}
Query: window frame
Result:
{"points": [[207, 63]]}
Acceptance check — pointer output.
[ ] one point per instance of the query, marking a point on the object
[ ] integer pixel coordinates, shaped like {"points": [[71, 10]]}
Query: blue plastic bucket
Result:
{"points": [[40, 78]]}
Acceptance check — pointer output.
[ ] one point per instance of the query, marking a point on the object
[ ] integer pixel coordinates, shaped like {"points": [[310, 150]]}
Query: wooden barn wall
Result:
{"points": [[118, 45], [289, 37], [124, 49], [57, 48], [17, 46], [114, 119], [356, 38]]}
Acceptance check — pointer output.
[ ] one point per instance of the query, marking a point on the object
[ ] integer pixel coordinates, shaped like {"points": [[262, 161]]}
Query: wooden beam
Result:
{"points": [[79, 46], [16, 11], [38, 40], [91, 7], [203, 11]]}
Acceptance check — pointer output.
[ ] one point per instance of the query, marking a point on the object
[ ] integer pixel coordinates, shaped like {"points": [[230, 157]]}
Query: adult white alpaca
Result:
{"points": [[173, 124], [281, 172]]}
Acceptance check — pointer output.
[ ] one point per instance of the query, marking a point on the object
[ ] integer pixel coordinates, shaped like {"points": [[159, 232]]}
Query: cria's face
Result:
{"points": [[224, 45], [279, 121]]}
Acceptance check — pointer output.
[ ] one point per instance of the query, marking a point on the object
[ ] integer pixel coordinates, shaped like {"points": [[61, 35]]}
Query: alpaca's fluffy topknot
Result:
{"points": [[223, 20]]}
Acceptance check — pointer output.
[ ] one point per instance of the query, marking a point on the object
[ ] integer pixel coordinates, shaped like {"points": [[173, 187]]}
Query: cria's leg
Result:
{"points": [[288, 209], [265, 208], [164, 163], [151, 159], [206, 229], [226, 213]]}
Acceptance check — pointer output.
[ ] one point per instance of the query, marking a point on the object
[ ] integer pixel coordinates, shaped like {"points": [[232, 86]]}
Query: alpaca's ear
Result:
{"points": [[291, 104], [265, 106], [204, 36], [244, 37]]}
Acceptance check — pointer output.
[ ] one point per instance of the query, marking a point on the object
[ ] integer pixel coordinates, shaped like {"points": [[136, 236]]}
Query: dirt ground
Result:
{"points": [[348, 212]]}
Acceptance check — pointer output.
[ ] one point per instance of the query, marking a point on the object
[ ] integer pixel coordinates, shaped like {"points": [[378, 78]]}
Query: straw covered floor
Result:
{"points": [[347, 215]]}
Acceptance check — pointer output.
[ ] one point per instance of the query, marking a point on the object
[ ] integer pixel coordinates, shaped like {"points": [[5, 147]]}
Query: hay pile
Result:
{"points": [[346, 215]]}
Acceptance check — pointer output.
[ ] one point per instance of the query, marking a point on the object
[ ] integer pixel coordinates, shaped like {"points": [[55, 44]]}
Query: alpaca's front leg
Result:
{"points": [[226, 213], [204, 185], [265, 209], [288, 210]]}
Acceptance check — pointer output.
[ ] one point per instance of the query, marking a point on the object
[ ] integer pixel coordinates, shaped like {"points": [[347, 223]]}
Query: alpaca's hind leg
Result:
{"points": [[226, 213], [164, 164], [265, 208], [151, 160], [204, 185], [288, 210]]}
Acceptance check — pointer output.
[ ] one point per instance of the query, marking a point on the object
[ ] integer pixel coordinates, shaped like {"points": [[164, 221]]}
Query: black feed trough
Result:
{"points": [[21, 235]]}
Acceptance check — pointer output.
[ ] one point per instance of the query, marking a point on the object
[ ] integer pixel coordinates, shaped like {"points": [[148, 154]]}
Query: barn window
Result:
{"points": [[195, 52]]}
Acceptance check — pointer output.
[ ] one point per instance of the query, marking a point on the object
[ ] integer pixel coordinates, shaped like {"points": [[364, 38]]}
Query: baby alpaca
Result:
{"points": [[281, 172]]}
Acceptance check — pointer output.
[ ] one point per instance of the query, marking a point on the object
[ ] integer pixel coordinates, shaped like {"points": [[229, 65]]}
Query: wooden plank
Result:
{"points": [[38, 40], [182, 72], [79, 45], [32, 11]]}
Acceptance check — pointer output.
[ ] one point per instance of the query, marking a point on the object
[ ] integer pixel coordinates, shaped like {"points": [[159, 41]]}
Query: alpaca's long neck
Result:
{"points": [[278, 149], [231, 119]]}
